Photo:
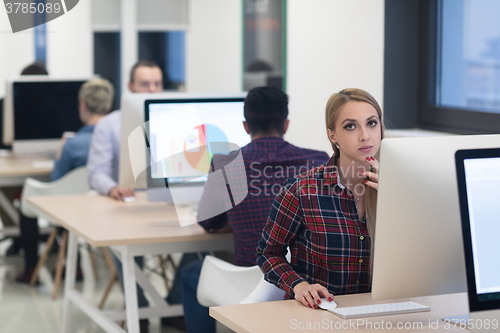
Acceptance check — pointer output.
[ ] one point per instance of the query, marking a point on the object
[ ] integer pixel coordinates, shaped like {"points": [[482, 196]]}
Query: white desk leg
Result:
{"points": [[130, 290], [69, 284], [9, 208]]}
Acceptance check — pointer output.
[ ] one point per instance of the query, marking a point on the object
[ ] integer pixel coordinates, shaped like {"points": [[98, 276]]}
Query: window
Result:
{"points": [[469, 71]]}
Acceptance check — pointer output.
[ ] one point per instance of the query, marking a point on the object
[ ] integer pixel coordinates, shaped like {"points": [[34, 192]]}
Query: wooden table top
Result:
{"points": [[25, 165], [291, 316], [102, 221]]}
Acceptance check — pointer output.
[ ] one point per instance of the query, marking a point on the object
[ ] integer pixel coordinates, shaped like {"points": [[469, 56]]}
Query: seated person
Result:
{"points": [[103, 163], [268, 161], [95, 98], [326, 217]]}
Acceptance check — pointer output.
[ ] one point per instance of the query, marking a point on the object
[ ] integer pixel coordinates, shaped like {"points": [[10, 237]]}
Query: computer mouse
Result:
{"points": [[327, 305], [128, 199]]}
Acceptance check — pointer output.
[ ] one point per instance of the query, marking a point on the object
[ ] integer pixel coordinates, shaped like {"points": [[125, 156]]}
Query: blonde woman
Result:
{"points": [[327, 215]]}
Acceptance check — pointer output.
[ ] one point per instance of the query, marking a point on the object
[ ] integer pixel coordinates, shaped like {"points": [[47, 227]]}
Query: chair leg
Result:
{"points": [[171, 261], [164, 271], [92, 261], [44, 256], [60, 264], [112, 280]]}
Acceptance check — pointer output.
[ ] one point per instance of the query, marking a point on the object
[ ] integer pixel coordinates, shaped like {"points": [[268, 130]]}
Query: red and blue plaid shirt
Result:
{"points": [[268, 161], [317, 219]]}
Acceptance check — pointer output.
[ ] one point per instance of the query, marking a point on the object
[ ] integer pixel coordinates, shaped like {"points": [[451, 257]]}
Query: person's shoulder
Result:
{"points": [[308, 178], [309, 152], [222, 160], [107, 123], [110, 119], [80, 138]]}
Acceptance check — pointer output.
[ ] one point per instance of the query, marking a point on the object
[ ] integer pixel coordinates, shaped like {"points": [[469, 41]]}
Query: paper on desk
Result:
{"points": [[43, 164]]}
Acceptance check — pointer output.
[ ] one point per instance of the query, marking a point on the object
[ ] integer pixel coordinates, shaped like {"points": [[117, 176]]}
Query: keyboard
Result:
{"points": [[378, 310]]}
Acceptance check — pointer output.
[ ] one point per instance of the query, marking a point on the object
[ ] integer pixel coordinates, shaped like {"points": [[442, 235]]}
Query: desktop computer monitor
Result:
{"points": [[132, 118], [38, 110], [183, 135], [418, 239], [134, 154], [478, 178]]}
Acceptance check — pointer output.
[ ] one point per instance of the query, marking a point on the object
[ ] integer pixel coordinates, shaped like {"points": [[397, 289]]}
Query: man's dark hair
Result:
{"points": [[36, 68], [142, 63], [266, 109]]}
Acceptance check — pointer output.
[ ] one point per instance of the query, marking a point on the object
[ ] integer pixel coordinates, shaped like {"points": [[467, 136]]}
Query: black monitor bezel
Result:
{"points": [[17, 84], [475, 303], [163, 182]]}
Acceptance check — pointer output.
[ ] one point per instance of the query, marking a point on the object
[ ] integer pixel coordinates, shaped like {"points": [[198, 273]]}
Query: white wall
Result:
{"points": [[16, 50], [332, 44], [70, 46], [214, 46]]}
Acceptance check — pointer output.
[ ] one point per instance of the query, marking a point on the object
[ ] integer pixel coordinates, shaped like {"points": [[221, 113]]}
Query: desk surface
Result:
{"points": [[25, 165], [291, 316], [102, 221]]}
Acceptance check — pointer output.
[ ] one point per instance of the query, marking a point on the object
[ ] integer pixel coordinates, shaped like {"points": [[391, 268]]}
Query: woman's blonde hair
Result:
{"points": [[333, 107], [98, 95]]}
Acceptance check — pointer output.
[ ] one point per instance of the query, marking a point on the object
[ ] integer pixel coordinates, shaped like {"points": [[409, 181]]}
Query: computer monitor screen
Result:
{"points": [[185, 133], [45, 109], [478, 176], [418, 238]]}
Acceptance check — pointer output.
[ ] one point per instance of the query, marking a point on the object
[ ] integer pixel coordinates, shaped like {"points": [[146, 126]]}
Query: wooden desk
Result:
{"points": [[291, 316], [14, 168], [131, 229]]}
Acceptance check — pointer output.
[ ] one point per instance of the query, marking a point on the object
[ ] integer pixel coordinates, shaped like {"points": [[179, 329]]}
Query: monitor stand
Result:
{"points": [[46, 147], [178, 195]]}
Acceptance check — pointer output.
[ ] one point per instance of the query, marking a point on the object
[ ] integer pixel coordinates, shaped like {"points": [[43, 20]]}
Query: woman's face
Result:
{"points": [[357, 131]]}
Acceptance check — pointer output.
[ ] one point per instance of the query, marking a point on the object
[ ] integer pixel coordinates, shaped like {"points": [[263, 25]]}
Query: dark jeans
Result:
{"points": [[195, 314], [30, 234], [175, 294]]}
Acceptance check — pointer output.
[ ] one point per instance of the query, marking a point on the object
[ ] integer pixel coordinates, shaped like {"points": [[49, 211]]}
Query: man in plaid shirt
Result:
{"points": [[269, 161]]}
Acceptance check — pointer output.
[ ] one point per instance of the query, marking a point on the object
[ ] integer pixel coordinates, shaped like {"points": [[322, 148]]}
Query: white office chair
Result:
{"points": [[264, 292], [74, 182], [222, 283]]}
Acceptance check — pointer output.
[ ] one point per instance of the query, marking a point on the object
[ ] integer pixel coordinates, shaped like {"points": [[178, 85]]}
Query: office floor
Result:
{"points": [[31, 309]]}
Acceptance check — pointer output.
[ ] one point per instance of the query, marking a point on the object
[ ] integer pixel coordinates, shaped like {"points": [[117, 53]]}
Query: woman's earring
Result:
{"points": [[336, 145]]}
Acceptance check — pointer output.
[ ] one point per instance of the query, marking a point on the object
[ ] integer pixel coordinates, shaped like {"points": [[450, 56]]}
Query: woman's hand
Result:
{"points": [[310, 294], [373, 175]]}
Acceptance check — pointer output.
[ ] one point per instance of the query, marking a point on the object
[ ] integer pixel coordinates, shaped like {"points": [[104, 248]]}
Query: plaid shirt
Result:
{"points": [[269, 161], [317, 219]]}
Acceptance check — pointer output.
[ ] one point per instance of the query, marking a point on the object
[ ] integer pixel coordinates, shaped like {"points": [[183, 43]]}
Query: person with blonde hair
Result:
{"points": [[95, 100], [326, 216]]}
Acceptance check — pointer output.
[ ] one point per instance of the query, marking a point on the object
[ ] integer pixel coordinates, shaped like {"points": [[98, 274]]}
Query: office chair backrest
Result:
{"points": [[74, 182], [222, 283]]}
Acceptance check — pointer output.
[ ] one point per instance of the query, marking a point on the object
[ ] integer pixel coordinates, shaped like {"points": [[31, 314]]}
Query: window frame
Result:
{"points": [[430, 115]]}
